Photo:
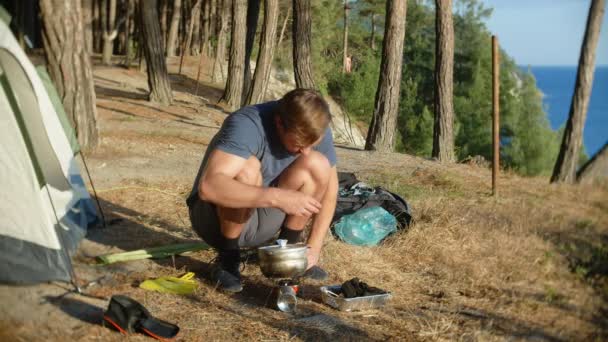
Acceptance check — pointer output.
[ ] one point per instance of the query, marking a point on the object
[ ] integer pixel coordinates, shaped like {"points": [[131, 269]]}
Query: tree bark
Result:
{"points": [[565, 166], [373, 35], [345, 38], [220, 53], [381, 133], [130, 30], [253, 13], [163, 21], [103, 21], [109, 35], [233, 94], [282, 34], [97, 29], [70, 66], [173, 29], [443, 132], [158, 78], [264, 62], [302, 28], [195, 44], [196, 10], [205, 28], [595, 168], [213, 18], [87, 11]]}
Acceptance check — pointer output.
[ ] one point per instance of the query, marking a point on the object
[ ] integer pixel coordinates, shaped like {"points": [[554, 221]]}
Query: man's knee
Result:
{"points": [[316, 165]]}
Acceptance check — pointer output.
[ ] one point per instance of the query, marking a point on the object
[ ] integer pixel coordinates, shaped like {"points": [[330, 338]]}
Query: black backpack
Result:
{"points": [[354, 195]]}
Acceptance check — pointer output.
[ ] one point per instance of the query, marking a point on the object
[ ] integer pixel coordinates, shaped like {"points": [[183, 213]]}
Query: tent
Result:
{"points": [[45, 208]]}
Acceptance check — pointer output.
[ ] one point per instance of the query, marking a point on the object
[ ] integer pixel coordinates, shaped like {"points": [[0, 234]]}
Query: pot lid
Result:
{"points": [[283, 246]]}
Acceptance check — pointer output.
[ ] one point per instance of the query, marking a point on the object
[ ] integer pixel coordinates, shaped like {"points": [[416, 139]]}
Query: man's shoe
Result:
{"points": [[315, 273], [225, 280], [226, 274]]}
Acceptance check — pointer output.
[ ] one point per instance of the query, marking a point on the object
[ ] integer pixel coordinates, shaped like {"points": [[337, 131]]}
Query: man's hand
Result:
{"points": [[297, 203]]}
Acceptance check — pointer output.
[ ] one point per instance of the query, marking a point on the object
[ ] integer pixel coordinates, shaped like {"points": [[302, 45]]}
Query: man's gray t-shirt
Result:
{"points": [[251, 131]]}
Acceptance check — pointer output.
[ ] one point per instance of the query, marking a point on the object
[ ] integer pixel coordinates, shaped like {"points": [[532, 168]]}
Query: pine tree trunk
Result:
{"points": [[195, 45], [173, 29], [565, 167], [372, 38], [205, 28], [130, 29], [233, 94], [97, 29], [103, 21], [282, 34], [213, 18], [253, 13], [163, 21], [302, 28], [194, 17], [595, 168], [345, 38], [220, 53], [70, 66], [109, 35], [264, 62], [87, 11], [184, 31], [443, 132], [381, 132], [158, 78]]}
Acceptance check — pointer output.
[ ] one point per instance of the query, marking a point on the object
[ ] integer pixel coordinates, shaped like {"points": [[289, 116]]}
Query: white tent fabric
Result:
{"points": [[44, 205]]}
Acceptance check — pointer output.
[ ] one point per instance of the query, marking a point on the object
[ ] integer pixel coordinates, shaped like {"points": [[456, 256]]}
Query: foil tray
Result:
{"points": [[331, 297]]}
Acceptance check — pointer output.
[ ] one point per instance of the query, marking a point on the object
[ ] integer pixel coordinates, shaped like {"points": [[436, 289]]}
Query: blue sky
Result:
{"points": [[544, 32]]}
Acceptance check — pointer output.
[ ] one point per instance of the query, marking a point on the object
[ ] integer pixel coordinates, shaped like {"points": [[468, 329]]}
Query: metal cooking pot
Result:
{"points": [[282, 260]]}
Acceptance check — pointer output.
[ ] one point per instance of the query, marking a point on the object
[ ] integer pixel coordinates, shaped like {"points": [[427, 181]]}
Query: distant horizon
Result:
{"points": [[559, 65]]}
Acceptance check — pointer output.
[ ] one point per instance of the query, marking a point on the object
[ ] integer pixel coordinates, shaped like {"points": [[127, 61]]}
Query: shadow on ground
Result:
{"points": [[586, 252]]}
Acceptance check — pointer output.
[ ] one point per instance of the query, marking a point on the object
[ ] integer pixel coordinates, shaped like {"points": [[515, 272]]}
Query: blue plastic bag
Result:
{"points": [[366, 227]]}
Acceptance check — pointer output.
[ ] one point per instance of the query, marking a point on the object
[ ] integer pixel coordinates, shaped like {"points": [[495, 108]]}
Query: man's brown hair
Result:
{"points": [[304, 113]]}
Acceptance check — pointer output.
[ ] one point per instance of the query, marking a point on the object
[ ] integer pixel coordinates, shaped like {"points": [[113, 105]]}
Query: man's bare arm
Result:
{"points": [[218, 185]]}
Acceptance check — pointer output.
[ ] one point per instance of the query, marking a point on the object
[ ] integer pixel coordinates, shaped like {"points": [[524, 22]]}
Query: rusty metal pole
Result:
{"points": [[495, 115]]}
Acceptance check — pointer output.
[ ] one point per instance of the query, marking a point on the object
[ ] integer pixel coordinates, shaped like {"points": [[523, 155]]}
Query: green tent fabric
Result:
{"points": [[56, 101]]}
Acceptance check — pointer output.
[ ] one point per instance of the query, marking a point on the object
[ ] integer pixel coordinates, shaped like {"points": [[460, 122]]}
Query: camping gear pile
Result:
{"points": [[366, 215]]}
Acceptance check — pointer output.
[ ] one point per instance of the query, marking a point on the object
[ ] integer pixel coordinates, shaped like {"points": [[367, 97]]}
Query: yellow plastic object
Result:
{"points": [[182, 285]]}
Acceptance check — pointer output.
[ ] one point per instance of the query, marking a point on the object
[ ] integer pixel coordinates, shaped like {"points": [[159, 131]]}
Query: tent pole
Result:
{"points": [[103, 218]]}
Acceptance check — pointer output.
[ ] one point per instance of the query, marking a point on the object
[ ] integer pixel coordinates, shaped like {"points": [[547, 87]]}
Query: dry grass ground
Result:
{"points": [[529, 264]]}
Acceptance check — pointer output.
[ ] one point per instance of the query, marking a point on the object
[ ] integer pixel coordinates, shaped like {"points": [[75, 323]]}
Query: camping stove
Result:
{"points": [[286, 298], [286, 262]]}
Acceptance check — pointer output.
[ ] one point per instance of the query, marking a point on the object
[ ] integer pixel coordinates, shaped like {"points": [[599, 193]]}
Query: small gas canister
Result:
{"points": [[287, 295]]}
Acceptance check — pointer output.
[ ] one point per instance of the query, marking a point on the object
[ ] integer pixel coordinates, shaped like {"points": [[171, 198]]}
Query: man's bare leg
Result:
{"points": [[232, 221], [308, 174]]}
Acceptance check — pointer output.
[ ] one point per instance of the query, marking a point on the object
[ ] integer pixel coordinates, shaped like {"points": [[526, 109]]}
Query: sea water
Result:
{"points": [[557, 85]]}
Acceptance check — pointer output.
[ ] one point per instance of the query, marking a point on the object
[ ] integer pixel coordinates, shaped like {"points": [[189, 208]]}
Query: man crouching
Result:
{"points": [[269, 169]]}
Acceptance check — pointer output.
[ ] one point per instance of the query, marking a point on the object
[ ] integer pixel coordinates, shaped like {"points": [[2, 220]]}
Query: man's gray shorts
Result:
{"points": [[261, 228]]}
